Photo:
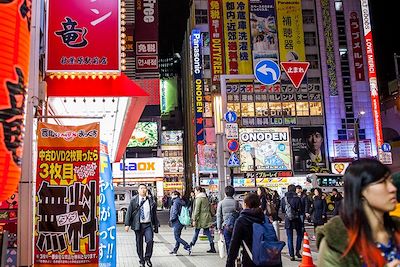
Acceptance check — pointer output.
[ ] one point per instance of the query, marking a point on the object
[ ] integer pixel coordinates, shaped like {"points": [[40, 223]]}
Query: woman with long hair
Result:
{"points": [[318, 209], [363, 234], [263, 196]]}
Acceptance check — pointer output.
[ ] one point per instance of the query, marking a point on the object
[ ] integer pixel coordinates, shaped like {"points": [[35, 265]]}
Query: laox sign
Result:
{"points": [[139, 166]]}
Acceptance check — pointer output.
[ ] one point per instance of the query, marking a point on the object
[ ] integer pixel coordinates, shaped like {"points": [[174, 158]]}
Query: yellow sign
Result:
{"points": [[173, 185], [290, 30], [237, 37]]}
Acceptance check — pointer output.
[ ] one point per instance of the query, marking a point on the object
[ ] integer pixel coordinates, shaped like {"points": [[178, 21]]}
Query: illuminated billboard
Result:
{"points": [[172, 138], [272, 149], [144, 135]]}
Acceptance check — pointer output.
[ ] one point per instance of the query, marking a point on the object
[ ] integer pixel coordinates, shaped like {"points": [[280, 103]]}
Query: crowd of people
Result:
{"points": [[359, 231]]}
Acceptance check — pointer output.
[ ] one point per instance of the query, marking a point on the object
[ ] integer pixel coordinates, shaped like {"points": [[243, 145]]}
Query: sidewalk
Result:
{"points": [[164, 242]]}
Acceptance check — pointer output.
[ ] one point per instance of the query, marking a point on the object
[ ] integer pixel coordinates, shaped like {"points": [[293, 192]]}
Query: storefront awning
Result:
{"points": [[116, 103]]}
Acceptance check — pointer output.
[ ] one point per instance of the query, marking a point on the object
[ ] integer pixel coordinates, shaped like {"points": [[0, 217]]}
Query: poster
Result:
{"points": [[172, 138], [207, 158], [272, 149], [144, 135], [67, 193], [309, 149]]}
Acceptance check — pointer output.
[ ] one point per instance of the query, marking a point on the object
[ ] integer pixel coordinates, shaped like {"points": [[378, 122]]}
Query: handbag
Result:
{"points": [[221, 246]]}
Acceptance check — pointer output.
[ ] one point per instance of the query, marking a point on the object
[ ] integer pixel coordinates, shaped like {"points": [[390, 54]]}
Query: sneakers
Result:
{"points": [[189, 250], [211, 251], [173, 253]]}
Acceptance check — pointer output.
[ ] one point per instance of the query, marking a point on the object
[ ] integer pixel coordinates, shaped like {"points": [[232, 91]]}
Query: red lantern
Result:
{"points": [[14, 63]]}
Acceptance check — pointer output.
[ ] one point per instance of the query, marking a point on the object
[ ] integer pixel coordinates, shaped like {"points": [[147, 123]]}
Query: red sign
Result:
{"points": [[83, 36], [216, 39], [233, 145], [295, 71], [356, 45]]}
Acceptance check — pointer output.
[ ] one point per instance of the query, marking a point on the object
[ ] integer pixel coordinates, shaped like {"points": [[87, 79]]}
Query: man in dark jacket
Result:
{"points": [[293, 223], [177, 204], [142, 218], [243, 230], [337, 198]]}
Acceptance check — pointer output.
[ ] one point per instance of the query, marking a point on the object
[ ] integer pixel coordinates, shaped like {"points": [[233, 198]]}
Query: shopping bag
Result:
{"points": [[221, 246]]}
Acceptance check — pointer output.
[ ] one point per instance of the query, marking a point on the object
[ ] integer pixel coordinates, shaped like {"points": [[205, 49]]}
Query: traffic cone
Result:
{"points": [[307, 260]]}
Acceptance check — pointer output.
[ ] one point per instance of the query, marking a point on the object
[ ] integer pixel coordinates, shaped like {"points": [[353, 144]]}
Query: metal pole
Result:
{"points": [[220, 164], [254, 170], [123, 168], [357, 137]]}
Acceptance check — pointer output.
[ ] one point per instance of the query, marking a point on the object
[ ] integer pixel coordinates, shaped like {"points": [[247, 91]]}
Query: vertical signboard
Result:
{"points": [[67, 194], [168, 95], [197, 47], [216, 40], [329, 48], [83, 36], [108, 231], [207, 158], [146, 37], [290, 30], [237, 37], [373, 82], [356, 45], [14, 63], [308, 149], [264, 35]]}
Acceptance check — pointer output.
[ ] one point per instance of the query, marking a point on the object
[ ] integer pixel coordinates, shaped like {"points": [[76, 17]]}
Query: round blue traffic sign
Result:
{"points": [[230, 116], [233, 145], [386, 147], [267, 72]]}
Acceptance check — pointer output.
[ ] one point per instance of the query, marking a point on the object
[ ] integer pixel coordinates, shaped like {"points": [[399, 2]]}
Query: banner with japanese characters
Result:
{"points": [[83, 36], [67, 195], [237, 37], [216, 40], [108, 220]]}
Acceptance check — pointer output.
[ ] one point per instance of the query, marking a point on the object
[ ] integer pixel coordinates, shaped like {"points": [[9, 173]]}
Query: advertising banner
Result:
{"points": [[290, 29], [168, 95], [237, 37], [272, 149], [308, 149], [172, 138], [197, 47], [139, 168], [216, 40], [14, 64], [345, 149], [339, 167], [356, 45], [264, 35], [207, 158], [173, 186], [144, 135], [67, 195], [108, 220], [173, 165], [146, 38], [83, 36]]}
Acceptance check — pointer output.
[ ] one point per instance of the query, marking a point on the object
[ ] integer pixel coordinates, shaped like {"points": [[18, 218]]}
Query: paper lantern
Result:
{"points": [[14, 63]]}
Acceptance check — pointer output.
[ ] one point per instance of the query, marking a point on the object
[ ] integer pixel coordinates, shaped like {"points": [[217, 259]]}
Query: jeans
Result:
{"points": [[177, 234], [206, 231], [299, 233], [145, 231], [227, 236]]}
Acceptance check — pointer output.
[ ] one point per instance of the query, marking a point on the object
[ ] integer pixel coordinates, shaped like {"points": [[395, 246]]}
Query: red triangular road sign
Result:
{"points": [[295, 71]]}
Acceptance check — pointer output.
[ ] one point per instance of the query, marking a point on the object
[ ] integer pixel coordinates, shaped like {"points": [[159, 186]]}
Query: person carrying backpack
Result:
{"points": [[255, 233], [291, 207], [227, 213], [175, 218]]}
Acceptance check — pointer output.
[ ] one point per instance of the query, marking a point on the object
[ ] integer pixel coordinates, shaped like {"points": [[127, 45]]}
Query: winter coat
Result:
{"points": [[243, 231], [318, 209], [132, 217], [332, 241], [295, 203], [177, 204], [224, 209], [338, 199], [202, 214]]}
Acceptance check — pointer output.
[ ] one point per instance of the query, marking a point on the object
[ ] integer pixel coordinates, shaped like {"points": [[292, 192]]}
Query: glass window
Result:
{"points": [[314, 62], [234, 107], [275, 109], [302, 109], [206, 39], [315, 108], [261, 109], [289, 109], [206, 62], [308, 16], [310, 39], [247, 109], [201, 16]]}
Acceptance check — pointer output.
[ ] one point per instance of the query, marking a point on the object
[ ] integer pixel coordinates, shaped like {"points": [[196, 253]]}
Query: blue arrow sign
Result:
{"points": [[267, 72], [233, 161], [386, 147], [230, 116]]}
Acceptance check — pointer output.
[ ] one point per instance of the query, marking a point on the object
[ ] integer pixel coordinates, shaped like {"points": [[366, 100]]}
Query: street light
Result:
{"points": [[219, 132], [253, 155], [356, 133]]}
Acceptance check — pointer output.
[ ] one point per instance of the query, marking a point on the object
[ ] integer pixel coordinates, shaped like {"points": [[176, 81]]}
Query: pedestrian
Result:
{"points": [[177, 204], [304, 204], [227, 210], [201, 218], [363, 234], [191, 202], [243, 230], [318, 210], [336, 198], [396, 182], [264, 199], [142, 218], [291, 207]]}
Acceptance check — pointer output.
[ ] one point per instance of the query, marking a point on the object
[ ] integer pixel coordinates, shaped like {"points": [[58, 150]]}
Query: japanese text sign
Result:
{"points": [[67, 193], [216, 39], [83, 36], [356, 45]]}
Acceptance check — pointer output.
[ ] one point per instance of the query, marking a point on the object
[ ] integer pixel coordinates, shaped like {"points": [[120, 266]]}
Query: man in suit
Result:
{"points": [[142, 218]]}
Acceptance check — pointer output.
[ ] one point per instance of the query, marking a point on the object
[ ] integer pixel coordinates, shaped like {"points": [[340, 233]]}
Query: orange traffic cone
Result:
{"points": [[307, 260]]}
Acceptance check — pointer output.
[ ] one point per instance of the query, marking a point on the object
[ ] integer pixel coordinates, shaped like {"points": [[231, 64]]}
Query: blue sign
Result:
{"points": [[267, 72], [233, 161], [230, 116], [386, 147], [108, 243], [233, 145]]}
